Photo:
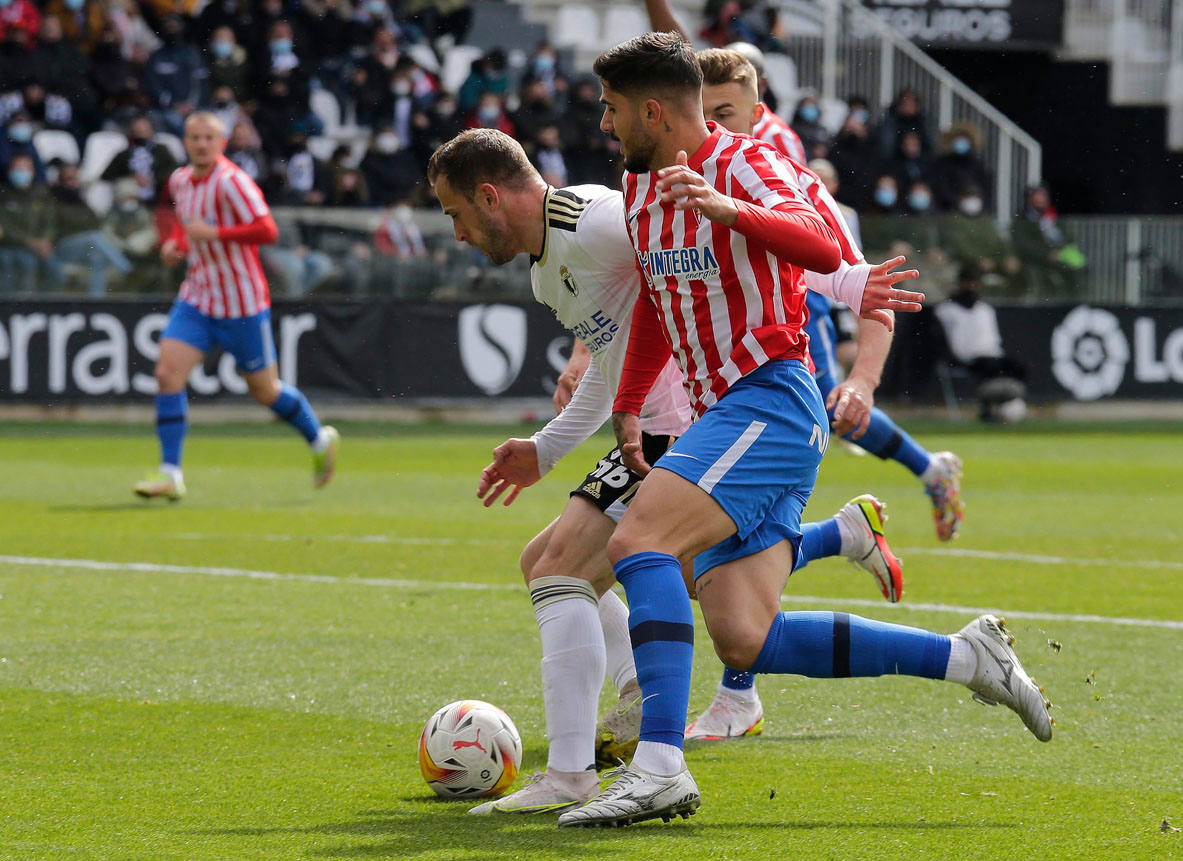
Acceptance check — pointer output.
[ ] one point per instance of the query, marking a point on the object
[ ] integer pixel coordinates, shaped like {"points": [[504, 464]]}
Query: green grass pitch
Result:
{"points": [[166, 693]]}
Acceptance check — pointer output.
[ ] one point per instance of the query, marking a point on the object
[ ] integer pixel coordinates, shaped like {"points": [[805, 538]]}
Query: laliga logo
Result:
{"points": [[492, 345], [1089, 353]]}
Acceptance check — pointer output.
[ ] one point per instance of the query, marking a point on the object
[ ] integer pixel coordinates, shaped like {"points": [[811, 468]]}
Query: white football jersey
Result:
{"points": [[587, 274]]}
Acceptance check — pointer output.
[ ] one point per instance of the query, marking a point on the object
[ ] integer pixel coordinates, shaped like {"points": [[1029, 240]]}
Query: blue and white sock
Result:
{"points": [[293, 408], [172, 423], [661, 626], [827, 645], [889, 441]]}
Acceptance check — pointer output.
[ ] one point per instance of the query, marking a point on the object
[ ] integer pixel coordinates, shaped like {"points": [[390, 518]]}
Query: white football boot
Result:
{"points": [[543, 793], [865, 516], [636, 796], [1000, 678], [728, 716]]}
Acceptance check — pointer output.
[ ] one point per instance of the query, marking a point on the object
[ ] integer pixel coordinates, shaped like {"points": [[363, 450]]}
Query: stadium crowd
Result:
{"points": [[339, 103]]}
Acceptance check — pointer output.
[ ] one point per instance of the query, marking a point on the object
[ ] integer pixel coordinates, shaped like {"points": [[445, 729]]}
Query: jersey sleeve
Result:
{"points": [[845, 284], [589, 408], [765, 178], [602, 229], [243, 198]]}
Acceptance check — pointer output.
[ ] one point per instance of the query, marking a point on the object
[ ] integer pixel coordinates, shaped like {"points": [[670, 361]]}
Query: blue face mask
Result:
{"points": [[280, 46], [74, 5], [21, 132], [860, 115], [920, 201], [20, 177], [376, 7], [885, 196], [809, 113], [962, 146], [4, 4], [222, 49], [544, 62], [488, 114]]}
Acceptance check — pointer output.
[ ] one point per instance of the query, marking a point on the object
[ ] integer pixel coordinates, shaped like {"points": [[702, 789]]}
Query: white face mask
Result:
{"points": [[387, 144], [402, 88], [402, 214], [970, 206]]}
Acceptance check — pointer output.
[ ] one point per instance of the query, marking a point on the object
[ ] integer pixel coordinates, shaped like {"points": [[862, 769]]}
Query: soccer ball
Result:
{"points": [[470, 749]]}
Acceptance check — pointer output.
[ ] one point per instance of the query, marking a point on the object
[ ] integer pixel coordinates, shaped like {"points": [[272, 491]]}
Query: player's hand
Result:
{"points": [[569, 380], [689, 190], [881, 297], [170, 253], [851, 400], [514, 467], [198, 231], [628, 439]]}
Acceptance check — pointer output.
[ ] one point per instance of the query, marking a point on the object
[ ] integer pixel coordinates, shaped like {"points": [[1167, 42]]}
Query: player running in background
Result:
{"points": [[584, 269], [221, 220], [730, 98], [723, 231]]}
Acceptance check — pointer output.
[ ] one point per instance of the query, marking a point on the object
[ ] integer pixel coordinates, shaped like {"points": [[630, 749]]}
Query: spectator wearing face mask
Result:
{"points": [[398, 235], [27, 225], [62, 69], [226, 108], [17, 139], [174, 77], [806, 122], [973, 239], [959, 167], [282, 85], [489, 113], [228, 65], [854, 155], [392, 173], [130, 228], [885, 198], [488, 75], [369, 83], [147, 162], [904, 114], [910, 164], [347, 183], [548, 157], [543, 68]]}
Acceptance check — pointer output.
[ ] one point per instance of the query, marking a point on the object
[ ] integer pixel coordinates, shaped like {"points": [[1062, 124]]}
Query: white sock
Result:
{"points": [[930, 471], [654, 757], [748, 695], [572, 668], [171, 470], [617, 643], [851, 539], [963, 661], [321, 442]]}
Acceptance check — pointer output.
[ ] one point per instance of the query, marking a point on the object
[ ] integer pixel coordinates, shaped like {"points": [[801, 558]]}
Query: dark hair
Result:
{"points": [[477, 156], [651, 64]]}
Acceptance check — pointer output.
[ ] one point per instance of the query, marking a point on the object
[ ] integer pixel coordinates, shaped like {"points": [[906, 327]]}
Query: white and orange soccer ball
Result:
{"points": [[470, 749]]}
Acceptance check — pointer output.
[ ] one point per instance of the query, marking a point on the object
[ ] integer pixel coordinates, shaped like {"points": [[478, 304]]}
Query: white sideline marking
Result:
{"points": [[352, 539], [156, 568], [1036, 559]]}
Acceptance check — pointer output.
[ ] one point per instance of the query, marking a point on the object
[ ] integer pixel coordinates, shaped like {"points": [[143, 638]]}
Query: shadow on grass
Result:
{"points": [[407, 833]]}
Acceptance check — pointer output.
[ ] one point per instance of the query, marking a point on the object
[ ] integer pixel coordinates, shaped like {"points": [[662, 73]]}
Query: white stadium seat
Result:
{"points": [[457, 65], [321, 147], [54, 143], [97, 152], [781, 72], [622, 23], [324, 104], [174, 145], [99, 196], [577, 24]]}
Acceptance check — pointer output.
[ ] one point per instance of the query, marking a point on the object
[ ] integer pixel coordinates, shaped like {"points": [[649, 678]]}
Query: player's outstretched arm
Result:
{"points": [[852, 399], [881, 297], [663, 20]]}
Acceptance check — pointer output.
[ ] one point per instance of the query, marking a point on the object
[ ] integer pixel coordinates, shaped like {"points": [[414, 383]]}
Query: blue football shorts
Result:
{"points": [[247, 339], [823, 338], [757, 453]]}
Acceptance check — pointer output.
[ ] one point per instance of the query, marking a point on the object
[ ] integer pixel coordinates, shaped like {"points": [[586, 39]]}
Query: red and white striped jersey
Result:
{"points": [[225, 279], [727, 304], [772, 129], [829, 209]]}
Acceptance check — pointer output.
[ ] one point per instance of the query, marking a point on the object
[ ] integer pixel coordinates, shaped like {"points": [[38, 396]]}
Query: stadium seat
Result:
{"points": [[54, 143], [97, 152], [324, 104], [622, 23], [321, 147], [577, 24], [99, 196], [174, 145], [457, 65]]}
